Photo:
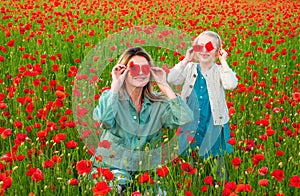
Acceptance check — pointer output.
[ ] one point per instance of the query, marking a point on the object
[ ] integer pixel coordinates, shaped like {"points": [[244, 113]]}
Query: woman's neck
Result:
{"points": [[135, 94]]}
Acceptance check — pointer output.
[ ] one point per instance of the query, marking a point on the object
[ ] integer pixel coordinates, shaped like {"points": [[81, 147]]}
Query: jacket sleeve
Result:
{"points": [[106, 110], [228, 79], [177, 74]]}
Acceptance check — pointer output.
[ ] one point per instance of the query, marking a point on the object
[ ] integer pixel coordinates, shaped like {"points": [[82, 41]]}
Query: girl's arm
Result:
{"points": [[178, 73], [228, 77]]}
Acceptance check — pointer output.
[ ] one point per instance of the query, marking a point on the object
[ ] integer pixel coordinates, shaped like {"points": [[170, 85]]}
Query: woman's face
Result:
{"points": [[206, 49], [139, 72]]}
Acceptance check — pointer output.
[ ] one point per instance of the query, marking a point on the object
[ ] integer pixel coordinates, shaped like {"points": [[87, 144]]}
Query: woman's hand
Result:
{"points": [[118, 73], [159, 75]]}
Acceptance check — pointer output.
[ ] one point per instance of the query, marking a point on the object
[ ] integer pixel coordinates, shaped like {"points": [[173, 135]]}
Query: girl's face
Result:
{"points": [[206, 49], [139, 72]]}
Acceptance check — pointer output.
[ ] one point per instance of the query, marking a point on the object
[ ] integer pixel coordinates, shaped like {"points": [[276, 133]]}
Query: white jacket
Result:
{"points": [[217, 82]]}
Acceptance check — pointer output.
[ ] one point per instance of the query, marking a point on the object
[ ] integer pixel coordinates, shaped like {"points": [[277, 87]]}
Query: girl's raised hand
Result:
{"points": [[189, 56], [222, 55]]}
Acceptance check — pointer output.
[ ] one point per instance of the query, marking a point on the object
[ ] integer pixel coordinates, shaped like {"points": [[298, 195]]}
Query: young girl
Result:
{"points": [[204, 91]]}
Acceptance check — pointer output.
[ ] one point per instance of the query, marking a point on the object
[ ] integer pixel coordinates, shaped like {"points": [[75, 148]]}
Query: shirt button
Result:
{"points": [[220, 117], [191, 86], [134, 117], [202, 78], [200, 97], [194, 75], [201, 87]]}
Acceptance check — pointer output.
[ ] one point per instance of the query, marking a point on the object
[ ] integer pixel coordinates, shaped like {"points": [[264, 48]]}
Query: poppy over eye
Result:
{"points": [[135, 69], [209, 46], [197, 48], [146, 69]]}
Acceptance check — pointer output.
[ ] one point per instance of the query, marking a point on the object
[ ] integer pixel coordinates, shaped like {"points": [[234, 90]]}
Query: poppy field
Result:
{"points": [[43, 47]]}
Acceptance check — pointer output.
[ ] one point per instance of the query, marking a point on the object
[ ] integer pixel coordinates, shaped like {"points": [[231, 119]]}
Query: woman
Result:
{"points": [[132, 115]]}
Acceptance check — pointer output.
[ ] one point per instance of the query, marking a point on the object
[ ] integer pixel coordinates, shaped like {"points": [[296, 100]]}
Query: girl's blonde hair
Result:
{"points": [[212, 34], [148, 89]]}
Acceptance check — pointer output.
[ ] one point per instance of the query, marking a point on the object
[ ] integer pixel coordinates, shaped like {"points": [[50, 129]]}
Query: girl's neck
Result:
{"points": [[205, 67]]}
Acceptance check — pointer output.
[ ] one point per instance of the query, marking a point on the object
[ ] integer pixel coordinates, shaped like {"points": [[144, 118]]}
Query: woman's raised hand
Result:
{"points": [[118, 73]]}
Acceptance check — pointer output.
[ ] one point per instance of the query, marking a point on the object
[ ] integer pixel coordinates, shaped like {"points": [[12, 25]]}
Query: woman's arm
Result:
{"points": [[106, 111]]}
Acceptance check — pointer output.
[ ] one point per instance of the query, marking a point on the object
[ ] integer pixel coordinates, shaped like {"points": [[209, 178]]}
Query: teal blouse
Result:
{"points": [[135, 140]]}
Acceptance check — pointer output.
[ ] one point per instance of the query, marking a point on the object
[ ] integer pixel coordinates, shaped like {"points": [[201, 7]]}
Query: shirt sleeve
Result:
{"points": [[177, 113], [177, 74], [106, 110], [228, 79]]}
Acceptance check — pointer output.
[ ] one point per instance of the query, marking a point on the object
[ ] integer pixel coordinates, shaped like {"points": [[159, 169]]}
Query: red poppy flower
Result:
{"points": [[197, 48], [209, 46], [236, 162], [279, 153], [104, 144], [232, 141], [48, 164], [3, 105], [257, 158], [144, 178], [11, 43], [188, 193], [296, 96], [36, 174], [263, 171], [105, 172], [278, 174], [72, 182], [208, 180], [71, 144], [204, 188], [243, 187], [295, 181], [84, 166], [6, 181], [136, 194], [135, 69], [187, 168], [101, 188], [59, 137], [263, 182], [146, 69], [162, 172], [6, 133]]}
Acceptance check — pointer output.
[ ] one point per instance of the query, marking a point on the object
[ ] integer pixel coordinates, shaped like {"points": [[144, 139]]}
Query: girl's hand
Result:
{"points": [[189, 56], [159, 75], [118, 73], [222, 55]]}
